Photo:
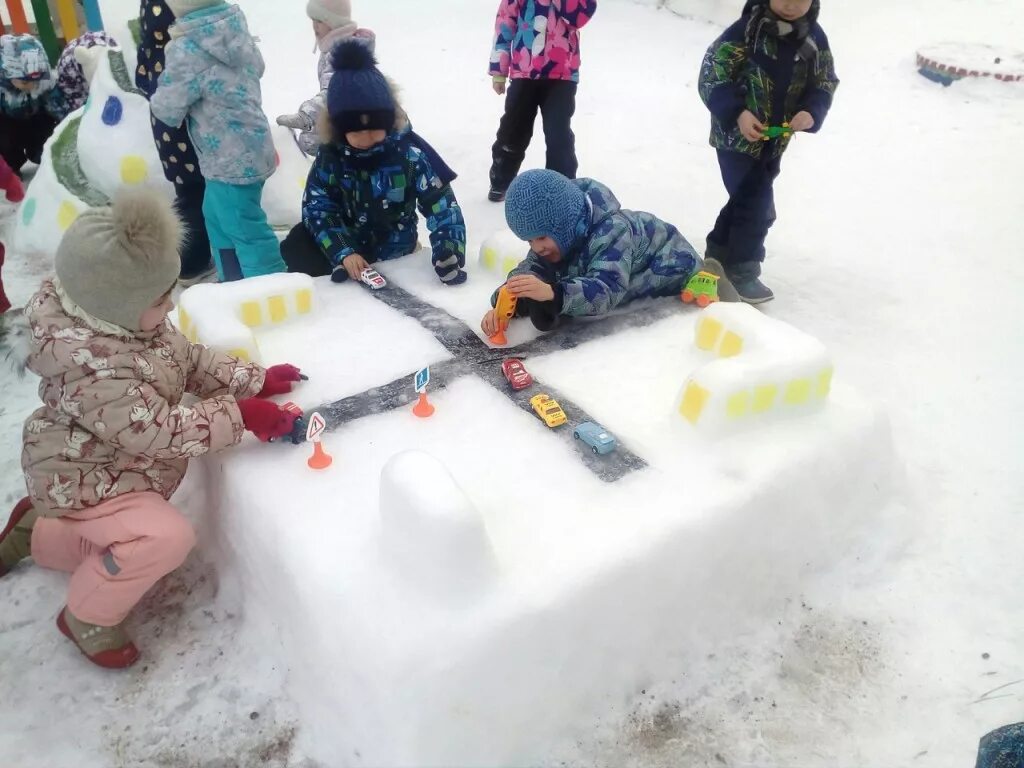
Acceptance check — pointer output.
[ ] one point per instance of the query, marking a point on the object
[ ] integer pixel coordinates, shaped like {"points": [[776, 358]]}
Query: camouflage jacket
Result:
{"points": [[112, 421], [619, 256], [770, 81]]}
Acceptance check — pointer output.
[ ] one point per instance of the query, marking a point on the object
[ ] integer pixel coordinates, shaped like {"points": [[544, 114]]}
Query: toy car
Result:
{"points": [[550, 411], [516, 374], [776, 132], [701, 288], [596, 436], [372, 278], [298, 433]]}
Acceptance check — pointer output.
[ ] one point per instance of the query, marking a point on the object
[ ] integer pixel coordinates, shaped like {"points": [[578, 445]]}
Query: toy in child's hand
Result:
{"points": [[776, 131], [279, 380], [702, 288], [596, 436], [265, 419], [516, 374], [372, 278], [549, 410], [504, 311]]}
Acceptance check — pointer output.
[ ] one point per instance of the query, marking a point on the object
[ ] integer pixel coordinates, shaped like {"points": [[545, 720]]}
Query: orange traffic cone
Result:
{"points": [[423, 408], [320, 459]]}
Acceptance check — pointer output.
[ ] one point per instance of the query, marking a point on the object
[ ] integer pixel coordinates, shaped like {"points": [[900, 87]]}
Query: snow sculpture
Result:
{"points": [[948, 62], [107, 145], [764, 367], [431, 531], [502, 252], [223, 316], [95, 151]]}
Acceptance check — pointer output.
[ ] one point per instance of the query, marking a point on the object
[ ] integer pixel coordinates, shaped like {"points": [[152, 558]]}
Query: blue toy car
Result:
{"points": [[597, 437]]}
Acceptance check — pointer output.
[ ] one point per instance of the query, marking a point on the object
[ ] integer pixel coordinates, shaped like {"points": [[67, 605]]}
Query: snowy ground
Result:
{"points": [[896, 245]]}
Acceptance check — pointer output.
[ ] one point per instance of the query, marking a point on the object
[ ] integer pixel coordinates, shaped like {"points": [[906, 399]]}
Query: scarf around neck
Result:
{"points": [[765, 23]]}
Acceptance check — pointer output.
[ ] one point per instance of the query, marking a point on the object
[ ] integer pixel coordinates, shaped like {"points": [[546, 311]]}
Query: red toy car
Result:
{"points": [[516, 374]]}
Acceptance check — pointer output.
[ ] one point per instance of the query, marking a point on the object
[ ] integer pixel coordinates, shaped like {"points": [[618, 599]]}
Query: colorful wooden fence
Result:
{"points": [[46, 27]]}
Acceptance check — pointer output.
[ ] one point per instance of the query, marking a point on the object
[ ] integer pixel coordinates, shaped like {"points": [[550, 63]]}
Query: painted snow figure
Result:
{"points": [[72, 79], [772, 67], [112, 441], [588, 255], [177, 153], [212, 78], [30, 103], [537, 45], [368, 180], [332, 23], [1002, 748]]}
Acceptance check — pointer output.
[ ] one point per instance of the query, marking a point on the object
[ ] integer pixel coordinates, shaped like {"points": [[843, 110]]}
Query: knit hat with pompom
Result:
{"points": [[358, 97], [115, 262]]}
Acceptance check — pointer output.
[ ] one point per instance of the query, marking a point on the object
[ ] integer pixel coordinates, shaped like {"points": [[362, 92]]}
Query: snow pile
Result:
{"points": [[501, 252]]}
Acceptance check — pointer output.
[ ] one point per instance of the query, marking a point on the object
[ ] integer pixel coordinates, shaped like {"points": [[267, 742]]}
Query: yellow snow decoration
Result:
{"points": [[66, 215], [133, 169]]}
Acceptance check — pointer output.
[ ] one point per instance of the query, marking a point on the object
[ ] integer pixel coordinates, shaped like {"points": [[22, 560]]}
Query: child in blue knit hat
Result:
{"points": [[368, 179], [587, 254], [30, 102]]}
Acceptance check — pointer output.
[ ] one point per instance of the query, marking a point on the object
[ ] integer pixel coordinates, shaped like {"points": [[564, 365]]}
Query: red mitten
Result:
{"points": [[279, 380], [265, 419]]}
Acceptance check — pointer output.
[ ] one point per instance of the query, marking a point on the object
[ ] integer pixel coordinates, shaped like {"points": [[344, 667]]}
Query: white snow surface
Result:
{"points": [[899, 645]]}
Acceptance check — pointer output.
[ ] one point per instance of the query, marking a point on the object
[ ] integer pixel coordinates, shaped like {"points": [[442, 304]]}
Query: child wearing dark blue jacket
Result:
{"points": [[771, 68]]}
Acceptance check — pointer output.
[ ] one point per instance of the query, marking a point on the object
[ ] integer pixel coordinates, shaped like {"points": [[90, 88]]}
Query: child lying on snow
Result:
{"points": [[368, 180], [587, 254], [112, 441], [332, 23]]}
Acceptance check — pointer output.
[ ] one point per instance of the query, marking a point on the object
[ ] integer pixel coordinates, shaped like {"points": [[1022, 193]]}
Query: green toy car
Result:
{"points": [[702, 288]]}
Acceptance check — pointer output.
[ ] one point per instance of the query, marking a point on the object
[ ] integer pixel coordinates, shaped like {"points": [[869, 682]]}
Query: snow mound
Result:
{"points": [[501, 252]]}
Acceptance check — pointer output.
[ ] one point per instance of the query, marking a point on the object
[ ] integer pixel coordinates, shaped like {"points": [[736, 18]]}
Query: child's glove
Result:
{"points": [[296, 121], [265, 419], [498, 84], [279, 380]]}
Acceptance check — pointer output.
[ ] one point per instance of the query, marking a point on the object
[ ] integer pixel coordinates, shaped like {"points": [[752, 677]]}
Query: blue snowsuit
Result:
{"points": [[618, 256], [212, 78]]}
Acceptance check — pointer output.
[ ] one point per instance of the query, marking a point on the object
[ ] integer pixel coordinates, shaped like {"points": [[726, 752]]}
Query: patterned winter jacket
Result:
{"points": [[70, 77], [309, 139], [365, 203], [619, 256], [22, 58], [769, 81], [112, 421], [212, 77], [540, 39]]}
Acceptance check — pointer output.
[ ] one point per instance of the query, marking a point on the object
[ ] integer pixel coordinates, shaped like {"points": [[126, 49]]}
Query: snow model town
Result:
{"points": [[468, 588]]}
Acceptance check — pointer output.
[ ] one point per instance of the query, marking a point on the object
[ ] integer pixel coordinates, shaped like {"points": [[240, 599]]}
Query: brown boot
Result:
{"points": [[16, 537], [107, 647]]}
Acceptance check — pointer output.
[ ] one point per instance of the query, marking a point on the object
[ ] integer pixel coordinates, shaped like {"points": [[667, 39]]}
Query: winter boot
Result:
{"points": [[4, 303], [16, 537], [746, 279], [107, 647], [496, 194]]}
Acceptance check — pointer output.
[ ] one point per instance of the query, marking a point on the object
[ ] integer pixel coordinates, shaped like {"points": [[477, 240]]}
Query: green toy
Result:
{"points": [[702, 288], [776, 131]]}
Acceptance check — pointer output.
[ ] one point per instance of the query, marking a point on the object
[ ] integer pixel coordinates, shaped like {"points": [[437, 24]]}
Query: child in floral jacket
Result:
{"points": [[367, 181], [212, 79], [537, 44], [111, 443], [588, 255]]}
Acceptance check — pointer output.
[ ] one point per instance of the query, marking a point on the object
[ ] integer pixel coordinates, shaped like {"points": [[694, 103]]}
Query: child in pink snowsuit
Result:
{"points": [[332, 23], [111, 443]]}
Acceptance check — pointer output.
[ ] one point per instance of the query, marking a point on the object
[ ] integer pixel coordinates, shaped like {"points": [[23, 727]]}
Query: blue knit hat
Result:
{"points": [[358, 96], [543, 203]]}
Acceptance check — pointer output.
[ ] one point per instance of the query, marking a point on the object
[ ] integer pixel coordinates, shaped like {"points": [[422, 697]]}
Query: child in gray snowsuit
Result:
{"points": [[212, 78], [332, 23], [588, 255]]}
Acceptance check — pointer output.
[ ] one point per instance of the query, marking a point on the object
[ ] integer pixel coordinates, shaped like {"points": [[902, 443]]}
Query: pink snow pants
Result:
{"points": [[114, 552]]}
